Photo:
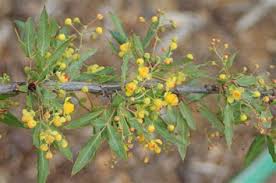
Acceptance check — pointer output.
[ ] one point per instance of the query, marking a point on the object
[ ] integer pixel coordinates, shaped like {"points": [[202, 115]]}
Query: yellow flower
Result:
{"points": [[100, 16], [44, 147], [170, 83], [124, 48], [49, 155], [158, 104], [170, 127], [142, 19], [68, 107], [62, 77], [77, 20], [266, 99], [173, 45], [58, 121], [99, 30], [64, 143], [237, 93], [168, 61], [49, 139], [84, 89], [222, 77], [151, 128], [58, 137], [143, 72], [27, 116], [243, 117], [154, 19], [140, 61], [62, 66], [61, 37], [171, 99], [256, 94], [130, 88], [190, 56], [181, 77], [68, 21], [31, 124]]}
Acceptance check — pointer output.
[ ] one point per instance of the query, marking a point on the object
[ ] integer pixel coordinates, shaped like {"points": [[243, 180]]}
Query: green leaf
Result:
{"points": [[183, 136], [123, 124], [255, 149], [271, 148], [11, 120], [87, 153], [42, 167], [115, 142], [5, 96], [228, 120], [118, 37], [43, 41], [124, 69], [118, 26], [30, 37], [66, 152], [246, 80], [231, 60], [187, 115], [74, 69], [84, 120], [137, 45], [150, 34], [117, 100], [36, 135], [212, 118]]}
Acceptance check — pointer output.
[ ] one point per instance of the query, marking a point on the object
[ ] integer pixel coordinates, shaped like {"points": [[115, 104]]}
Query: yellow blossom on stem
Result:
{"points": [[62, 77], [99, 30], [173, 45], [266, 99], [143, 72], [256, 94], [190, 56], [222, 77], [68, 21], [140, 61], [151, 128], [61, 37], [142, 19], [68, 107], [168, 61], [100, 16], [154, 19], [76, 20], [130, 88], [170, 127], [84, 89], [237, 93], [170, 83], [243, 117], [49, 155], [171, 99]]}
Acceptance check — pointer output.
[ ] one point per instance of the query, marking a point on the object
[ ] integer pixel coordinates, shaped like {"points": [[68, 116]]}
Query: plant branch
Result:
{"points": [[110, 88]]}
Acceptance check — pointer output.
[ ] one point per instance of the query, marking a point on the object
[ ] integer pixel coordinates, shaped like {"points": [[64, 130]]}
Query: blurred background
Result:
{"points": [[247, 25]]}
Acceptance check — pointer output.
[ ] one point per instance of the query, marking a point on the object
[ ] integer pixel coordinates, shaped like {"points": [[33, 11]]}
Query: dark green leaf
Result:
{"points": [[118, 37], [183, 136], [87, 153], [255, 149], [115, 142], [30, 37], [187, 115]]}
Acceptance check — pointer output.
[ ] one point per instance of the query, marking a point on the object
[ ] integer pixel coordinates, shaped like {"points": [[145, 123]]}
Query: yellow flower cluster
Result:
{"points": [[28, 118], [124, 48], [143, 72], [170, 82], [154, 145], [68, 107], [48, 137], [94, 68]]}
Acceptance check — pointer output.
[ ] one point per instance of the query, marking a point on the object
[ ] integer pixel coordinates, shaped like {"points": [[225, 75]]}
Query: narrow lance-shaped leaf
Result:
{"points": [[118, 25], [11, 120], [42, 166], [87, 153], [212, 118], [187, 115], [183, 136], [255, 149], [115, 142], [30, 37], [43, 40], [150, 34], [246, 80], [124, 69], [228, 123], [84, 120], [271, 148]]}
